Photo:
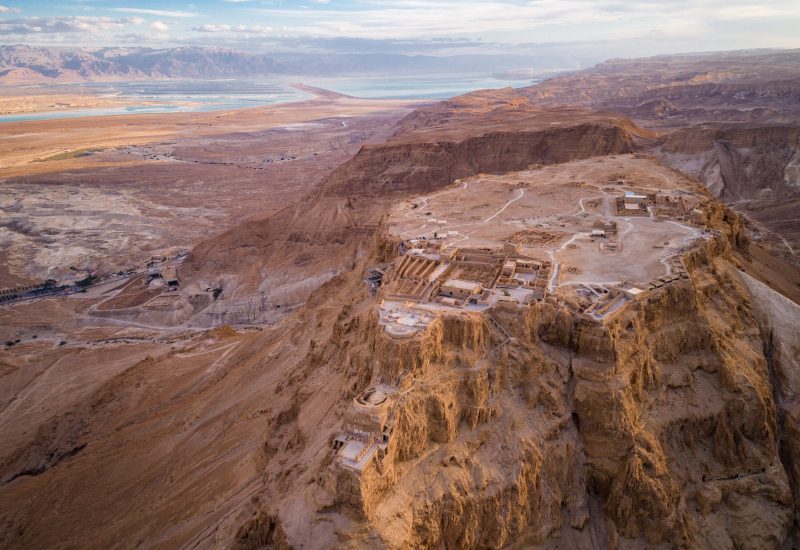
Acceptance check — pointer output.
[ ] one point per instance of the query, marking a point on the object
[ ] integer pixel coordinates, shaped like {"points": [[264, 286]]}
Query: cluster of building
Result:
{"points": [[363, 441], [655, 205], [605, 300], [635, 204], [603, 229], [431, 275], [667, 206], [367, 427], [460, 277], [168, 276]]}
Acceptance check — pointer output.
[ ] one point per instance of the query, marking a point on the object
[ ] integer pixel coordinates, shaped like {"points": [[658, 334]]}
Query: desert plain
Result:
{"points": [[104, 193]]}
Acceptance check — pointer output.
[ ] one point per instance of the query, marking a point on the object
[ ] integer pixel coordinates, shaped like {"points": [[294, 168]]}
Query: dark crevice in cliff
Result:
{"points": [[52, 459], [784, 452]]}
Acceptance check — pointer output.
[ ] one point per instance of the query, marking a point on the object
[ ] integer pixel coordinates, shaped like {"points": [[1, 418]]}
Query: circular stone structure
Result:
{"points": [[372, 396]]}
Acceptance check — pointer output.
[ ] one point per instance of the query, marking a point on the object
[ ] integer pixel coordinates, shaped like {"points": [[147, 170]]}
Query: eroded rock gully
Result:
{"points": [[533, 427]]}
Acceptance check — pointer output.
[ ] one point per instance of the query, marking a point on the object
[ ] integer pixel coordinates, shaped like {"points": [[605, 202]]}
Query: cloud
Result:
{"points": [[7, 9], [623, 28], [160, 13], [597, 29], [159, 26], [416, 19], [507, 20], [341, 44], [232, 28], [61, 25], [137, 39], [212, 28]]}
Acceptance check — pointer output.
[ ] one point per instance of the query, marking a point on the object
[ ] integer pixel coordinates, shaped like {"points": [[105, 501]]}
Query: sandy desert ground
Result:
{"points": [[22, 143], [102, 193], [38, 101]]}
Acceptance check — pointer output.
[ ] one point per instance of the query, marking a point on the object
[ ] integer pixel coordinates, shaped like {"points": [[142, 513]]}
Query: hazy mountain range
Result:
{"points": [[20, 64]]}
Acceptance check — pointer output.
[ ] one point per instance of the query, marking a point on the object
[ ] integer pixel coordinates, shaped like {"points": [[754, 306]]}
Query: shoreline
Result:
{"points": [[74, 100], [47, 137], [72, 111], [313, 93]]}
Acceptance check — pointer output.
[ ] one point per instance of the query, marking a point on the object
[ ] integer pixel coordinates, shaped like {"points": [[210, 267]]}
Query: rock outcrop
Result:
{"points": [[738, 162], [535, 426], [755, 167]]}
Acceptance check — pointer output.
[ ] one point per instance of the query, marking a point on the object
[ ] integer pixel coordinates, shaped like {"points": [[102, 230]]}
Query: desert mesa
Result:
{"points": [[560, 314]]}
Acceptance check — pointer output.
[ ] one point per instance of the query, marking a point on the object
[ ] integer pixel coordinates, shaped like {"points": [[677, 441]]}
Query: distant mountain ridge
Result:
{"points": [[21, 64]]}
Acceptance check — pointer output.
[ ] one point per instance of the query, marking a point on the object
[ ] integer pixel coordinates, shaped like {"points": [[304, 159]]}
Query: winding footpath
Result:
{"points": [[506, 205]]}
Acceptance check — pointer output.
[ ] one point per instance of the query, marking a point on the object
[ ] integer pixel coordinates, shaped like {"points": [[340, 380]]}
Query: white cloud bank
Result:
{"points": [[64, 25], [159, 26], [159, 13]]}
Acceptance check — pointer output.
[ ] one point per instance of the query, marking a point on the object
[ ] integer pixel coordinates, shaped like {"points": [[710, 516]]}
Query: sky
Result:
{"points": [[592, 28]]}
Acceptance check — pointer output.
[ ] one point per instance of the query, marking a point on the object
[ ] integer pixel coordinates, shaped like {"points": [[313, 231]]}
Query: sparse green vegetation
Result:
{"points": [[88, 281]]}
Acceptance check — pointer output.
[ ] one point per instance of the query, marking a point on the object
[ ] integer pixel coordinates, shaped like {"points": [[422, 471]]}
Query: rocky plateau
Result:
{"points": [[216, 421]]}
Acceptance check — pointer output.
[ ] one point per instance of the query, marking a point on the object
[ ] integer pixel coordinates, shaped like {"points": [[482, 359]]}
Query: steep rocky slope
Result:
{"points": [[738, 162], [676, 90], [754, 167]]}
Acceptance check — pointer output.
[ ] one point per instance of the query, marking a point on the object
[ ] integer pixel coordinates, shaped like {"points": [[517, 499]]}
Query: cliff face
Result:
{"points": [[532, 426], [738, 162], [411, 168], [755, 167], [268, 267], [680, 428]]}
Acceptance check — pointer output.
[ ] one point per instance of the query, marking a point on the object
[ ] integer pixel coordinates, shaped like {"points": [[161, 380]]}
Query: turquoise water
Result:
{"points": [[414, 87], [176, 96], [77, 113], [212, 95]]}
